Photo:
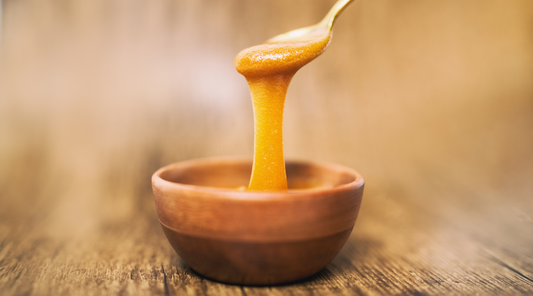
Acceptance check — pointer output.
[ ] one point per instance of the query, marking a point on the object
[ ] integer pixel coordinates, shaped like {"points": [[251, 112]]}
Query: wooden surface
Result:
{"points": [[431, 101]]}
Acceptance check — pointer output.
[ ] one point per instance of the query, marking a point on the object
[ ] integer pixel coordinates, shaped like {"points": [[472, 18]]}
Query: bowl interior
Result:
{"points": [[236, 173]]}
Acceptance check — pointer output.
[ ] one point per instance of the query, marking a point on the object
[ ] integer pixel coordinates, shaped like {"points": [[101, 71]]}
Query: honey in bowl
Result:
{"points": [[269, 69]]}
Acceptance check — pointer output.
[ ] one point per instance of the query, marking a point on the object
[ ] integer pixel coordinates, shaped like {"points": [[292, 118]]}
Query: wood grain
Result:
{"points": [[432, 102]]}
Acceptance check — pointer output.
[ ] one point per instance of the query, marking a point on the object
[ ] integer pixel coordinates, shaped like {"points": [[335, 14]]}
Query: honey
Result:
{"points": [[268, 69]]}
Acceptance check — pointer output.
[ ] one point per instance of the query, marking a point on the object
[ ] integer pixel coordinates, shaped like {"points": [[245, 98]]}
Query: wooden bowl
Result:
{"points": [[256, 238]]}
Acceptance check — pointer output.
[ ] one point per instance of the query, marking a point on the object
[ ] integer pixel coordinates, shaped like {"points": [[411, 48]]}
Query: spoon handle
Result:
{"points": [[335, 11]]}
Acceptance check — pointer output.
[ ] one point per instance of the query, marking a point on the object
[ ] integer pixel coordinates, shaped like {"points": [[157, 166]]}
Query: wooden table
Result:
{"points": [[430, 102]]}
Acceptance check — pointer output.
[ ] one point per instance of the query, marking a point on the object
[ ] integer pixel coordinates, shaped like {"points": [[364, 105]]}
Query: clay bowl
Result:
{"points": [[256, 238]]}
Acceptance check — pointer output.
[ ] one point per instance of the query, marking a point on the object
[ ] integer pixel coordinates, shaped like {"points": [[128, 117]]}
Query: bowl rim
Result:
{"points": [[228, 193]]}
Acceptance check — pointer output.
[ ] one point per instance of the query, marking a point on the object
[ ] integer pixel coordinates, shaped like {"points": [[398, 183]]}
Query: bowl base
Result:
{"points": [[256, 263]]}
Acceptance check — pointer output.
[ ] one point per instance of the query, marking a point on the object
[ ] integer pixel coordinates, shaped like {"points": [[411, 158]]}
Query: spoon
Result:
{"points": [[325, 26]]}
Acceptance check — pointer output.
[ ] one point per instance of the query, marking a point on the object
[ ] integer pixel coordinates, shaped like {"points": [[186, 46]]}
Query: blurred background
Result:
{"points": [[415, 95]]}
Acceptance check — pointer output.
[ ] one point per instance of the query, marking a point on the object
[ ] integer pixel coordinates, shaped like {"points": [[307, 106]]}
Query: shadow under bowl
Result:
{"points": [[250, 237]]}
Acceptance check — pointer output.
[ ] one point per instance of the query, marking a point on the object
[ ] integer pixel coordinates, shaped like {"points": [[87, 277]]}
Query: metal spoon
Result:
{"points": [[325, 26]]}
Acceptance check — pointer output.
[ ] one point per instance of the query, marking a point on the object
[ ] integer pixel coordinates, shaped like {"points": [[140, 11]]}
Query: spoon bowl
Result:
{"points": [[324, 27]]}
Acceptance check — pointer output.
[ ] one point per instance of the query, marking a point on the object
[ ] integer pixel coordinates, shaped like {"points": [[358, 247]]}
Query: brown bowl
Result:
{"points": [[256, 238]]}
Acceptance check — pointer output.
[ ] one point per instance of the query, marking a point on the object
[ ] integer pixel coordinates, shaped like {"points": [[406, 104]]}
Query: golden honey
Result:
{"points": [[269, 68]]}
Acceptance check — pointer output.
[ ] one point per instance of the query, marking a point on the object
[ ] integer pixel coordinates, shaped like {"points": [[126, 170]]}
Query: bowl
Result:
{"points": [[256, 238]]}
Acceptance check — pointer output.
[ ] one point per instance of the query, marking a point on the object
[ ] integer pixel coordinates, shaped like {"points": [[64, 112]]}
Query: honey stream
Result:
{"points": [[268, 69]]}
